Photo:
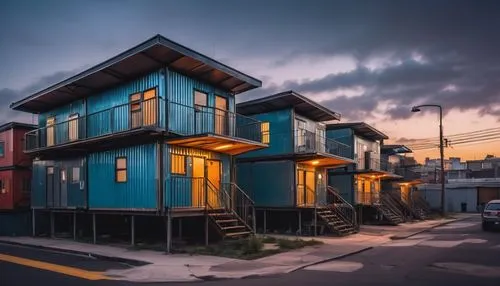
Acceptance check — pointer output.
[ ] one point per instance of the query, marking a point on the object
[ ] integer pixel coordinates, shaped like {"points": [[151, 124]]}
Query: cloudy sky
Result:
{"points": [[369, 60]]}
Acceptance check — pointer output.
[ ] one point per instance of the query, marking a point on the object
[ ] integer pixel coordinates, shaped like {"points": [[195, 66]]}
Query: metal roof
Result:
{"points": [[148, 56], [18, 125], [360, 128], [395, 149], [288, 99]]}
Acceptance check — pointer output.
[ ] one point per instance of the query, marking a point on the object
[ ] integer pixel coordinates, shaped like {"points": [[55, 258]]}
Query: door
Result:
{"points": [[73, 127], [214, 176], [321, 144], [50, 187], [149, 107], [300, 134], [310, 188], [300, 187], [198, 185], [221, 115], [51, 131]]}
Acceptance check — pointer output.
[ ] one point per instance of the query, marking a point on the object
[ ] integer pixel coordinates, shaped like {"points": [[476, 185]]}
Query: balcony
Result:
{"points": [[377, 166], [126, 119], [327, 151], [215, 129]]}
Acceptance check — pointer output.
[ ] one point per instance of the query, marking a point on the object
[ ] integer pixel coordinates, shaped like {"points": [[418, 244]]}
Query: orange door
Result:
{"points": [[221, 115], [51, 121], [310, 188], [149, 107], [198, 185], [301, 187], [214, 177]]}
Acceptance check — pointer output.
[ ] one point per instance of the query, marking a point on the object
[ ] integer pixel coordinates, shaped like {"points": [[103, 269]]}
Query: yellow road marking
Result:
{"points": [[71, 271]]}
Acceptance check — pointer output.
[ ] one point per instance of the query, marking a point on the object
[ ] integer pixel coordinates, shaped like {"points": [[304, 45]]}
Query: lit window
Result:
{"points": [[73, 127], [200, 98], [121, 170], [2, 187], [178, 164], [2, 149], [63, 176], [266, 138], [135, 110], [75, 175], [149, 107]]}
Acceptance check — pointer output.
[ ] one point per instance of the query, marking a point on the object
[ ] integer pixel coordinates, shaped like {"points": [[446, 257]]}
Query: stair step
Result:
{"points": [[226, 220], [233, 227], [231, 234], [220, 214]]}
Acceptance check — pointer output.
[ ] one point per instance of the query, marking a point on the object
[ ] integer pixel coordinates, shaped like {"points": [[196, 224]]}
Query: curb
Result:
{"points": [[132, 262], [397, 237], [330, 259]]}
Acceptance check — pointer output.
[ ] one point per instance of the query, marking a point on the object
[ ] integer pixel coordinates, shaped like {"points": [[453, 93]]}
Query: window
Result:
{"points": [[73, 127], [2, 187], [121, 170], [200, 98], [135, 110], [75, 175], [264, 127], [2, 149], [178, 164]]}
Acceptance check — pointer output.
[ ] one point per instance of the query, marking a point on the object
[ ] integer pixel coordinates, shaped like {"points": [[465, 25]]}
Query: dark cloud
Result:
{"points": [[457, 41]]}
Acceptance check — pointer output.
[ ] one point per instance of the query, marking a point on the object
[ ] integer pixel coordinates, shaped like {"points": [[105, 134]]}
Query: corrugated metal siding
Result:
{"points": [[140, 190], [21, 180], [38, 183], [281, 137], [20, 158], [6, 137], [62, 114], [181, 117], [345, 136], [183, 187], [64, 194], [344, 183], [119, 117], [454, 198], [270, 184]]}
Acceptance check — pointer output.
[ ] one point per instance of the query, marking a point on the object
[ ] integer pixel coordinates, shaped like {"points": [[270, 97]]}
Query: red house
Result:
{"points": [[15, 167]]}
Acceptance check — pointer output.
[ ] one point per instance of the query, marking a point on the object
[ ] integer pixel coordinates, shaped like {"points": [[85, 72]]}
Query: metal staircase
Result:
{"points": [[389, 209], [230, 210], [404, 204], [420, 206], [338, 214]]}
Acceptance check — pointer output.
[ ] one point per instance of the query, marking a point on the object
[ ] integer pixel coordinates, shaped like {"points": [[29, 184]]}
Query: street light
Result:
{"points": [[441, 148]]}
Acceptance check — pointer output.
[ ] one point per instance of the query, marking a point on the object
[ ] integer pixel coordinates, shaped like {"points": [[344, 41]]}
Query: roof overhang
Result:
{"points": [[17, 125], [218, 143], [151, 55], [324, 160], [376, 174], [395, 149], [288, 99], [360, 128]]}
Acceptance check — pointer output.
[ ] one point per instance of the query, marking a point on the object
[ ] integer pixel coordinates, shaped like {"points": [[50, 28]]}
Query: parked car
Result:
{"points": [[491, 215]]}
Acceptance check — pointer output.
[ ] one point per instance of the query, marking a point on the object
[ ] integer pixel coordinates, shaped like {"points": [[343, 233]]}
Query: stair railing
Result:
{"points": [[342, 207], [239, 204], [420, 203], [391, 204]]}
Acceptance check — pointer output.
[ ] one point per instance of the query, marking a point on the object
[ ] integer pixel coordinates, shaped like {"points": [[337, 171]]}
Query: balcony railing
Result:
{"points": [[188, 120], [182, 119], [114, 120], [375, 164], [310, 142]]}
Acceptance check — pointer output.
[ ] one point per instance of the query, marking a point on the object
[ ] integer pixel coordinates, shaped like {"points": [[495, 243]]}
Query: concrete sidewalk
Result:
{"points": [[156, 266]]}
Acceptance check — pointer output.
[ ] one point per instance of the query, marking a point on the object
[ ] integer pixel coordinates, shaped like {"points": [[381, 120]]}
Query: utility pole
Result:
{"points": [[441, 150]]}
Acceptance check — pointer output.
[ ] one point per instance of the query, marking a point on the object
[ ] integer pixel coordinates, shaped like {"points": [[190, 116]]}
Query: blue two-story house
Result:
{"points": [[149, 132], [288, 180], [360, 183]]}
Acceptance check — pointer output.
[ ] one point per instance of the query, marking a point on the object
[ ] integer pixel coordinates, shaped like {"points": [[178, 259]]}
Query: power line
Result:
{"points": [[425, 141]]}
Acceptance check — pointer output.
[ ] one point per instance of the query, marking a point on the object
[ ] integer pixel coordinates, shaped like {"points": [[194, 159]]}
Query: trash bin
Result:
{"points": [[464, 207]]}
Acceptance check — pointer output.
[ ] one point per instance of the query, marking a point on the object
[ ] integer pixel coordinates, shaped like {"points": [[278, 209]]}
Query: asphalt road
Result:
{"points": [[457, 254]]}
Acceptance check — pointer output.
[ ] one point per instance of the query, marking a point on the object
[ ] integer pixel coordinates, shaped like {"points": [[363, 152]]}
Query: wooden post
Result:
{"points": [[180, 228], [300, 222], [52, 225], [94, 229], [33, 224], [169, 232], [265, 221], [74, 225], [132, 230], [206, 230]]}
